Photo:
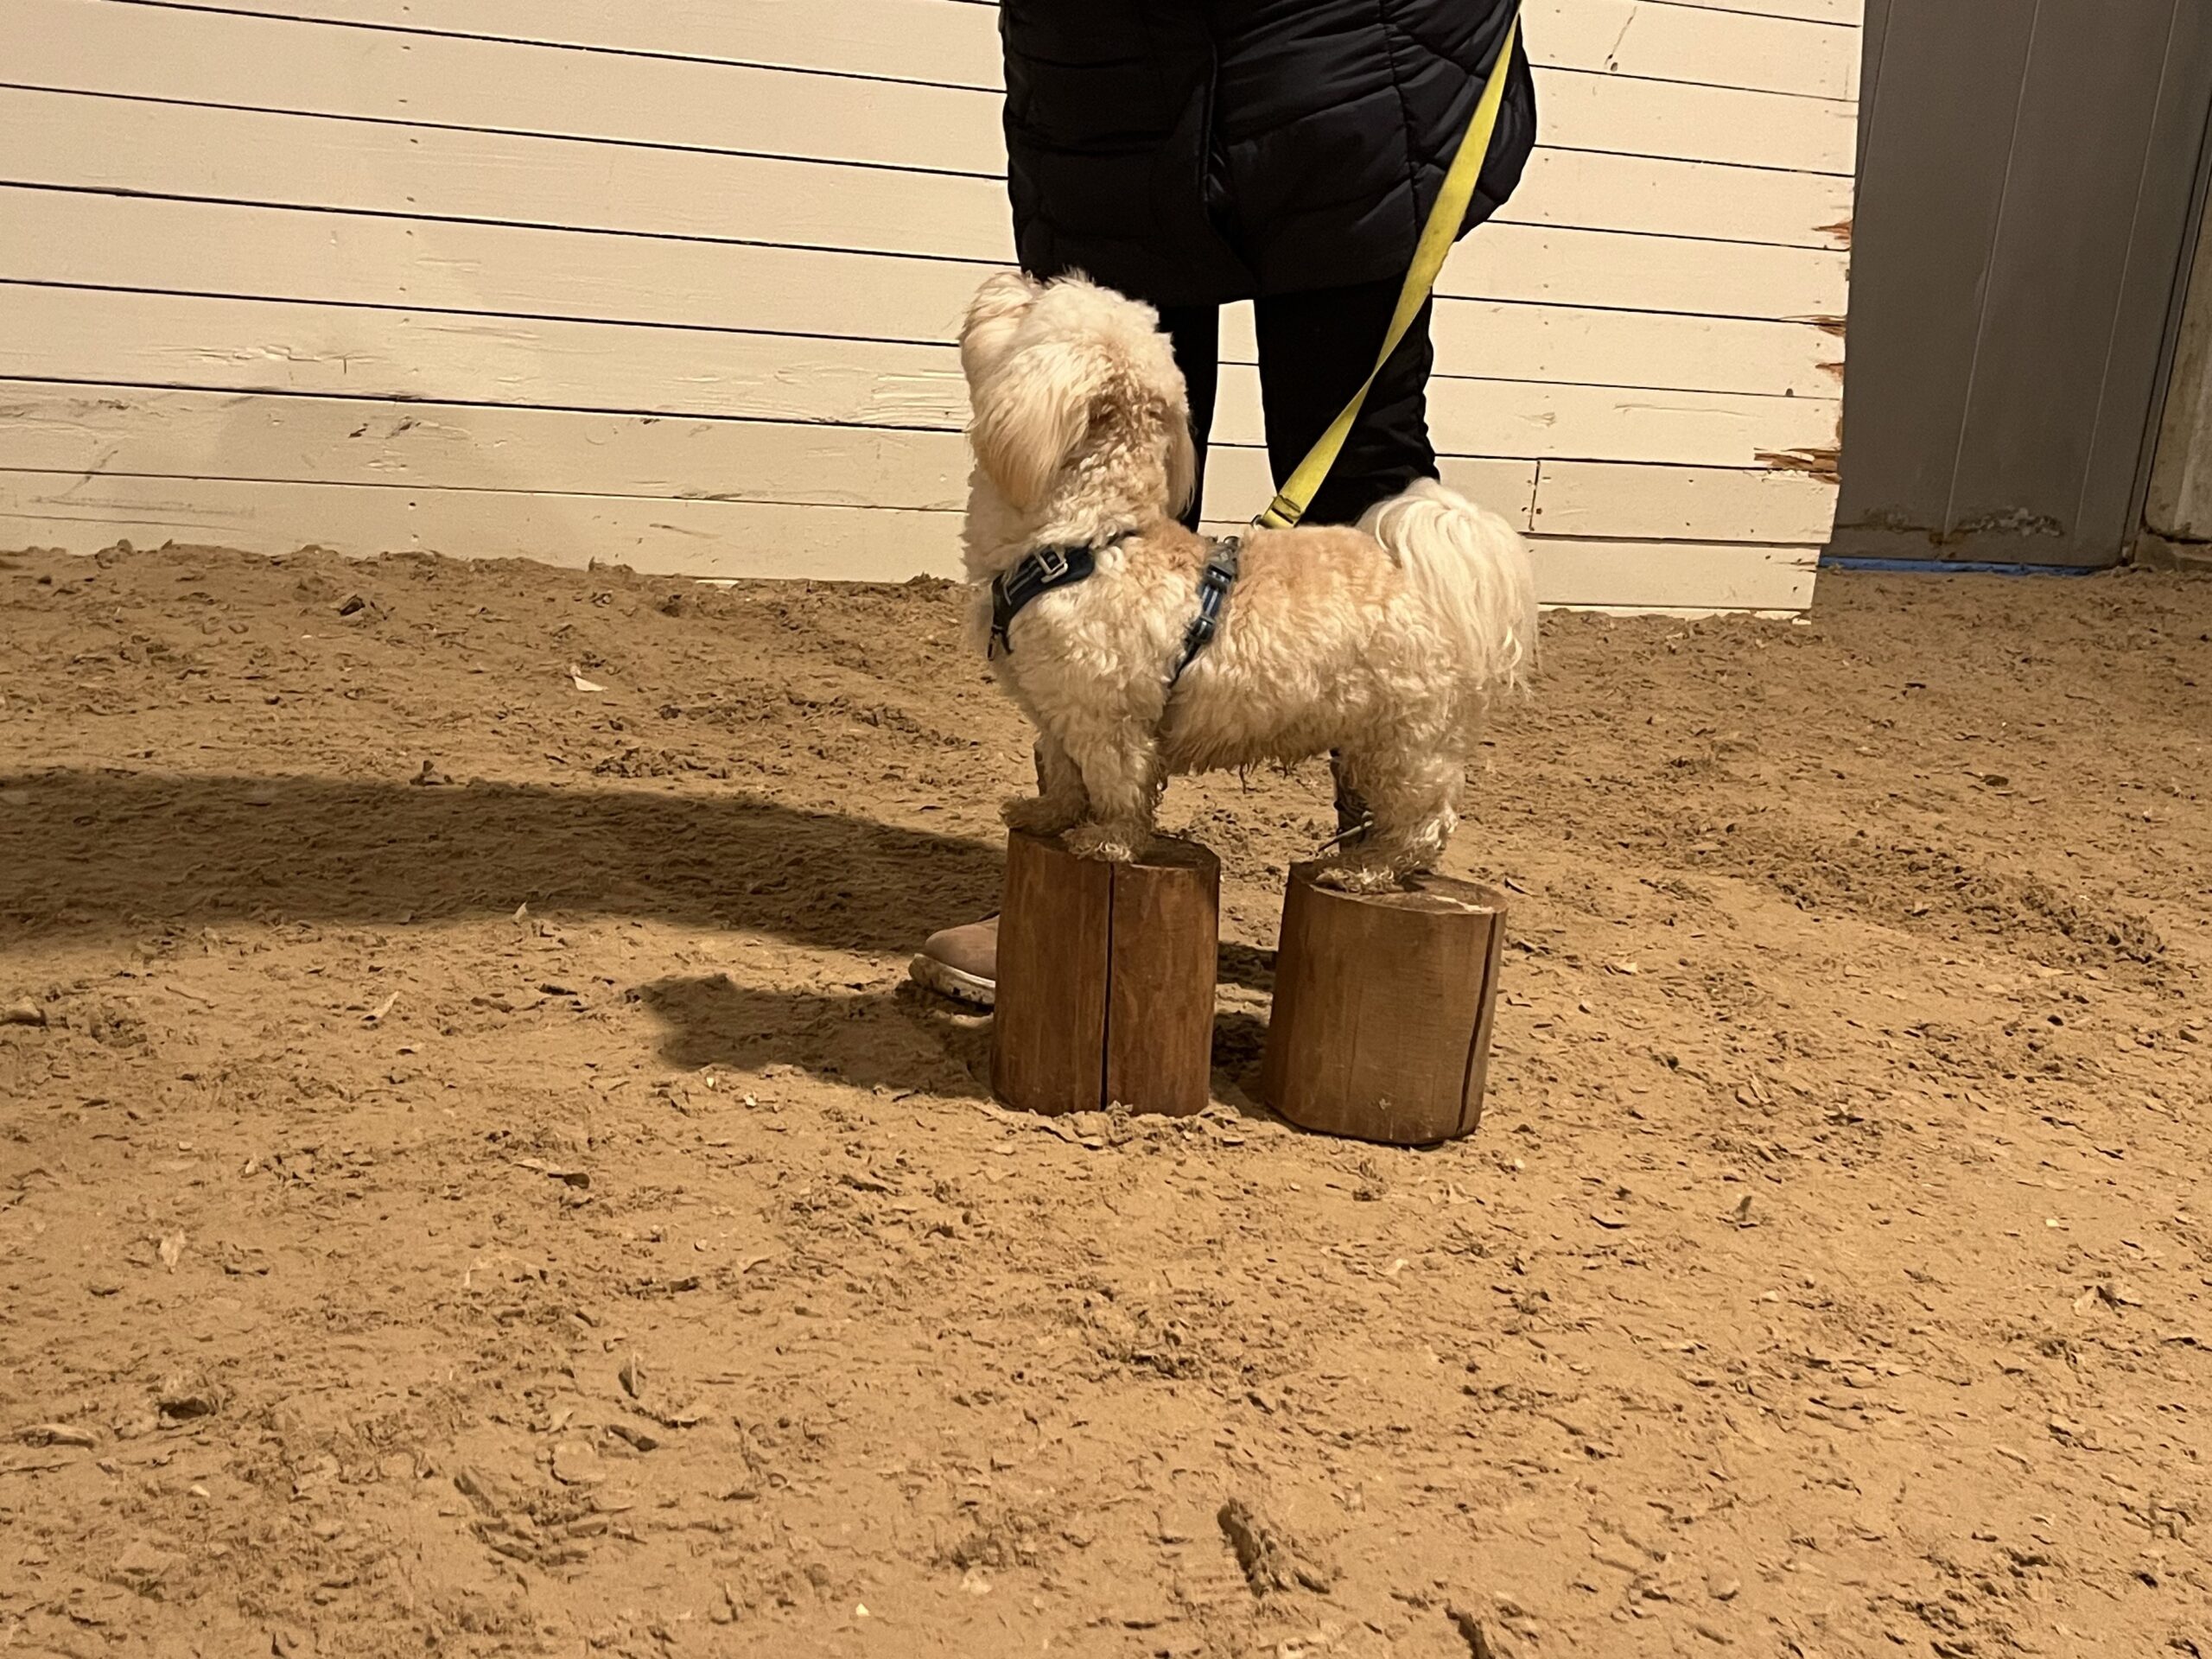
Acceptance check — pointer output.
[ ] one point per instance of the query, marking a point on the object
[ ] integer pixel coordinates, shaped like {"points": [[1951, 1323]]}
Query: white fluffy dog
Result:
{"points": [[1384, 644]]}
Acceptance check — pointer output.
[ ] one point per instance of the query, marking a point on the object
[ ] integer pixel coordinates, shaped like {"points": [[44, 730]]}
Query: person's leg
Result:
{"points": [[1314, 350], [1194, 331]]}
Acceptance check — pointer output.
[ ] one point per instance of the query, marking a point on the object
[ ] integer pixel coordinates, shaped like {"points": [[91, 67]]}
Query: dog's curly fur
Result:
{"points": [[1384, 644]]}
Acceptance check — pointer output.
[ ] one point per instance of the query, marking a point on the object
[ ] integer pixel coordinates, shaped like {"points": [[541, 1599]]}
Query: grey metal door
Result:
{"points": [[2028, 175]]}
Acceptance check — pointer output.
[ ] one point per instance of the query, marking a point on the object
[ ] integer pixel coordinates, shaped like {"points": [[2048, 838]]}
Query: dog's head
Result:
{"points": [[1066, 370]]}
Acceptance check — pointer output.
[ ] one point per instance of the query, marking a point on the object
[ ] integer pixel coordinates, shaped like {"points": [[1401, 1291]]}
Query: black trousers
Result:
{"points": [[1314, 350]]}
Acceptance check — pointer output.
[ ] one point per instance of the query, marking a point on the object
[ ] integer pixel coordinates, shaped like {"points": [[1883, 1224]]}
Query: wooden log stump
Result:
{"points": [[1382, 1008], [1106, 980]]}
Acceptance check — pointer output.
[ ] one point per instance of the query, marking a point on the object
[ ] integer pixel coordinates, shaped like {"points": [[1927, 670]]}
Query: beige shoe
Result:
{"points": [[962, 963]]}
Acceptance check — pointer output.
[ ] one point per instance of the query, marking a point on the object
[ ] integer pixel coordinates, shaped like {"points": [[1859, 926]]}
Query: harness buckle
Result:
{"points": [[1214, 583], [1038, 573]]}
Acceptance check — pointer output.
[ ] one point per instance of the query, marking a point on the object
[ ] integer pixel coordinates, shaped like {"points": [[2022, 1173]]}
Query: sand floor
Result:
{"points": [[474, 1180]]}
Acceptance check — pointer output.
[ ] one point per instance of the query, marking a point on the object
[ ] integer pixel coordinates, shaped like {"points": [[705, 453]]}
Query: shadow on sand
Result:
{"points": [[85, 851]]}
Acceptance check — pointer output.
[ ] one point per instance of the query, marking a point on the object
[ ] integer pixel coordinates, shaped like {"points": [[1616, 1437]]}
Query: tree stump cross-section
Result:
{"points": [[1106, 979], [1382, 1008]]}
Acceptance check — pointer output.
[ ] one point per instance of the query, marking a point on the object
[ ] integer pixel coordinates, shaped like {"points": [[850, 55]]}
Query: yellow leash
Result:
{"points": [[1436, 239]]}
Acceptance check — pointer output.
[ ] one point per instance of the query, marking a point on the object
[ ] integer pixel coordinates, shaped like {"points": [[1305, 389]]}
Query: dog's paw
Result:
{"points": [[1359, 878], [1097, 841], [1034, 815]]}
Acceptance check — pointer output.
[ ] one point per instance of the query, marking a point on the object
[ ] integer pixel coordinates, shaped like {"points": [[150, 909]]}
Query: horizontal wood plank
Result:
{"points": [[1611, 112], [81, 238], [941, 44], [927, 40], [1846, 14], [1685, 578], [219, 58], [394, 73], [1542, 423], [81, 142], [699, 538], [1687, 275], [227, 58], [718, 539], [1708, 45], [1490, 340], [1609, 499], [1239, 484], [1632, 576], [72, 235], [156, 432], [245, 346], [74, 238], [153, 432], [178, 246], [251, 436], [1671, 198], [100, 144]]}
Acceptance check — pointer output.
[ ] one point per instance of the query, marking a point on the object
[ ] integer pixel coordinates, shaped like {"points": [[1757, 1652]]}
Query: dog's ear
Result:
{"points": [[1033, 408], [1182, 461], [993, 316]]}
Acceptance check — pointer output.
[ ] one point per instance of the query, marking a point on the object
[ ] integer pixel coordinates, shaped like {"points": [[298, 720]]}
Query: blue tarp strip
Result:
{"points": [[1955, 568]]}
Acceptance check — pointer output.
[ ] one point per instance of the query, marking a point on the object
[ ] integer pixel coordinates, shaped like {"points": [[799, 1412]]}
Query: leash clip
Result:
{"points": [[1214, 583]]}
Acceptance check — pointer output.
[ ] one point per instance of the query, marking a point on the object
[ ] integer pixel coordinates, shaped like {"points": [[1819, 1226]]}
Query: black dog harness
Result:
{"points": [[1051, 568], [1038, 575]]}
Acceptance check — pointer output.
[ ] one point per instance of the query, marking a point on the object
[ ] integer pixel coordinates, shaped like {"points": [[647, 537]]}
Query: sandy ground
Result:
{"points": [[475, 1182]]}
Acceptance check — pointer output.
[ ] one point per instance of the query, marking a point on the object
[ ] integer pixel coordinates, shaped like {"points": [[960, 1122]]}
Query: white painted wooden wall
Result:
{"points": [[673, 282]]}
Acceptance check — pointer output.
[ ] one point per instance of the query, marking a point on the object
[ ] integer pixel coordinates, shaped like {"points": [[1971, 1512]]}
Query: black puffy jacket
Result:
{"points": [[1193, 151]]}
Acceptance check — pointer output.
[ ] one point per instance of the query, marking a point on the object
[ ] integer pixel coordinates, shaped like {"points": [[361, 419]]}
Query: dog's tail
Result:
{"points": [[1473, 570]]}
